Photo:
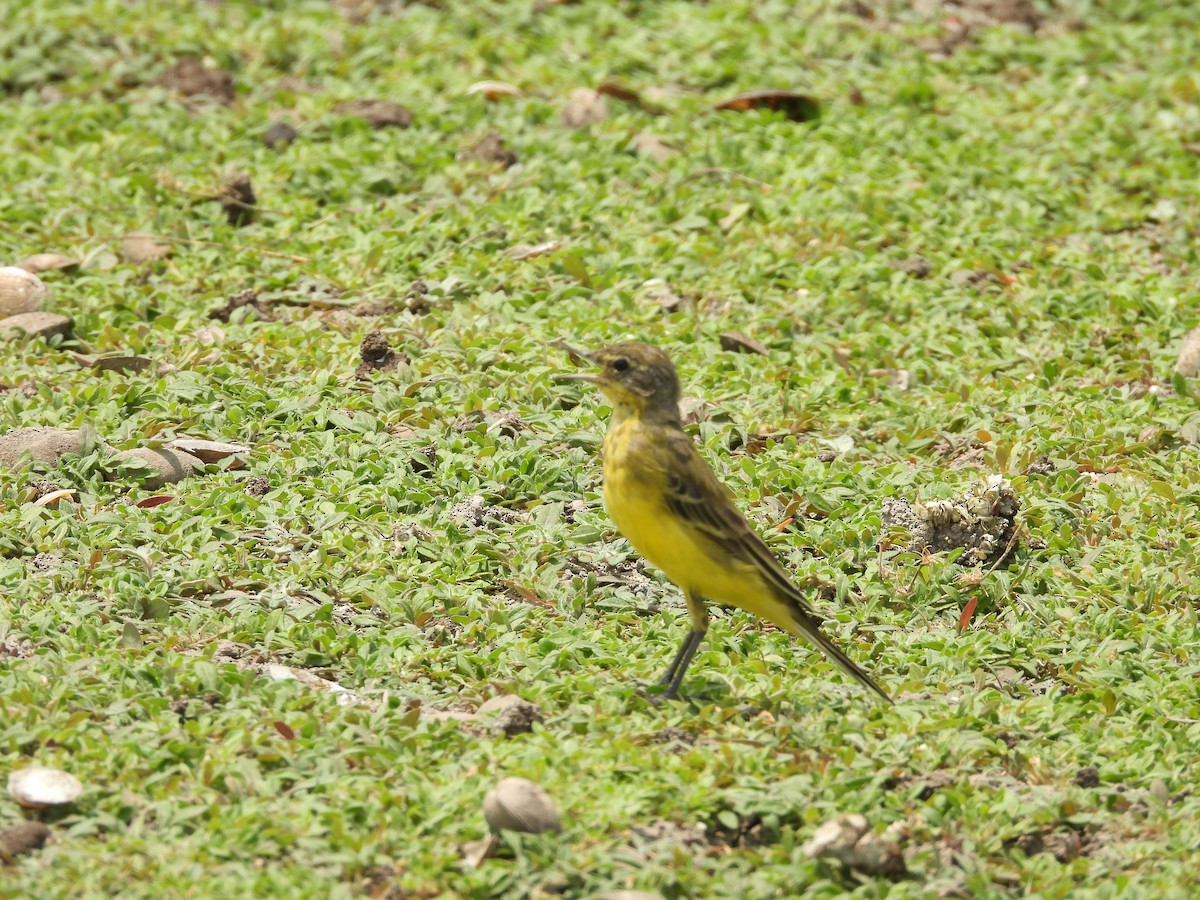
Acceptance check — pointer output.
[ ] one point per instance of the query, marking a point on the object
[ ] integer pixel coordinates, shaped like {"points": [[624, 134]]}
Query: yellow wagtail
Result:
{"points": [[671, 507]]}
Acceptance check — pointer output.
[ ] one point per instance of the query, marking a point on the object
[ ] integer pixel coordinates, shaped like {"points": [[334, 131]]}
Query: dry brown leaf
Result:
{"points": [[736, 342], [529, 251], [493, 91], [618, 90], [118, 363], [152, 502], [797, 107], [51, 499]]}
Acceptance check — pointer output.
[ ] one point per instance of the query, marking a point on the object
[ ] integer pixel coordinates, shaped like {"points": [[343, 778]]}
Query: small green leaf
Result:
{"points": [[131, 638], [573, 264], [729, 819], [735, 214], [1163, 489]]}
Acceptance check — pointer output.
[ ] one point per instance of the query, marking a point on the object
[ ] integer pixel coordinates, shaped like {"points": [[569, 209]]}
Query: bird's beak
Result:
{"points": [[577, 357]]}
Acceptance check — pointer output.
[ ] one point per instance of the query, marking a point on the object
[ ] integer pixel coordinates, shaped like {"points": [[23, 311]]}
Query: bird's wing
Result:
{"points": [[695, 495]]}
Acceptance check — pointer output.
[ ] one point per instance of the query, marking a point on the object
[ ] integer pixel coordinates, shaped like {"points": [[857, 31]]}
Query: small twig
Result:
{"points": [[221, 196], [1008, 549], [203, 243], [721, 172]]}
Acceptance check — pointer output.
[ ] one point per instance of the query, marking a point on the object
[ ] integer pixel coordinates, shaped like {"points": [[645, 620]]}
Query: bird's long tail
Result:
{"points": [[808, 627]]}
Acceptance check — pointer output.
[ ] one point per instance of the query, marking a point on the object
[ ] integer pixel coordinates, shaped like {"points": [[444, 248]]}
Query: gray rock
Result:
{"points": [[139, 247], [20, 291], [34, 325], [1188, 363], [518, 804], [652, 146], [850, 840], [164, 466], [584, 107], [45, 445], [47, 262]]}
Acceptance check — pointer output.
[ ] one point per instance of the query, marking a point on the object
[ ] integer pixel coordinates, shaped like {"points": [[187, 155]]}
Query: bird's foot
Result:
{"points": [[658, 693]]}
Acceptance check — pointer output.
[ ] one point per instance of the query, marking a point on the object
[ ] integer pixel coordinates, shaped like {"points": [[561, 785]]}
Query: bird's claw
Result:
{"points": [[656, 694]]}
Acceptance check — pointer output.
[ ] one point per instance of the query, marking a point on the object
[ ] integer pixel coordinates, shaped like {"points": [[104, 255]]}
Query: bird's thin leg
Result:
{"points": [[686, 650], [691, 643], [699, 616]]}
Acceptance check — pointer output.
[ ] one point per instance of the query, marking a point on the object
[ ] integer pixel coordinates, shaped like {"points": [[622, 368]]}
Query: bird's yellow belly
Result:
{"points": [[637, 508]]}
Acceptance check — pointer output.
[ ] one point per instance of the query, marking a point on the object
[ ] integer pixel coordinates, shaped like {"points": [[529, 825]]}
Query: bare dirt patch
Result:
{"points": [[190, 77]]}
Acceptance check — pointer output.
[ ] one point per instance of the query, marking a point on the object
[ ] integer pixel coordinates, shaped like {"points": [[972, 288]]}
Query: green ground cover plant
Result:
{"points": [[980, 259]]}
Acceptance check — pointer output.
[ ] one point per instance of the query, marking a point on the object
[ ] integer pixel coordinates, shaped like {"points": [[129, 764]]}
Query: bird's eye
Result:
{"points": [[620, 364]]}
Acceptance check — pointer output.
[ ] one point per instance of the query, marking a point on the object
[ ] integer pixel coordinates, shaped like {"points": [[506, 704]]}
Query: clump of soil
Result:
{"points": [[377, 355], [996, 12], [21, 649], [278, 135], [584, 107], [962, 21], [191, 78], [674, 735], [258, 485], [505, 424], [1064, 845], [915, 266], [511, 714], [242, 299], [237, 199], [416, 301], [670, 833], [489, 150], [377, 113], [982, 521], [475, 512], [22, 838]]}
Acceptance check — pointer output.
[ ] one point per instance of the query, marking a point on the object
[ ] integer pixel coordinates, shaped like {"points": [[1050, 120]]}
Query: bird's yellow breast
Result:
{"points": [[634, 494]]}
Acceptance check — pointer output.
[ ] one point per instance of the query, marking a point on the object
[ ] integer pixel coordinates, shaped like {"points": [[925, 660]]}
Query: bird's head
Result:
{"points": [[636, 378]]}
